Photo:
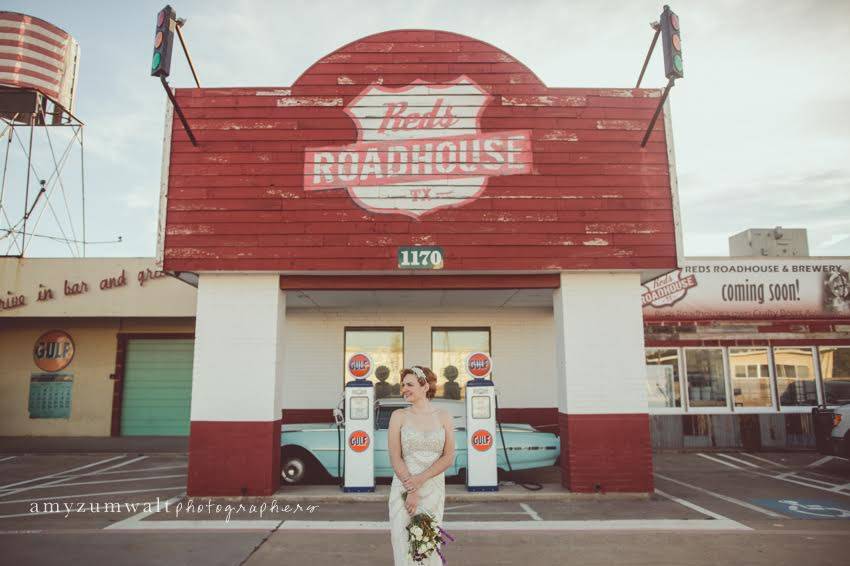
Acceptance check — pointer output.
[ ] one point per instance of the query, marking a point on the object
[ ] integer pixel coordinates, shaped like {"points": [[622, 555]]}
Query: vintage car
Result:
{"points": [[308, 450]]}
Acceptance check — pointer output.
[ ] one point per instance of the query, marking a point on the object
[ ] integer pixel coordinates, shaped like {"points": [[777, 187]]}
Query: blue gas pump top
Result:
{"points": [[359, 383], [478, 382]]}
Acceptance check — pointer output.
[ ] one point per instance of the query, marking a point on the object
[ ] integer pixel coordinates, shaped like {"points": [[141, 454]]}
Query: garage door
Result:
{"points": [[157, 388]]}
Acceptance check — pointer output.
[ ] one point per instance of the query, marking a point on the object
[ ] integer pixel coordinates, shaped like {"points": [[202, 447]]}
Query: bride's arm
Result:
{"points": [[445, 461], [394, 445]]}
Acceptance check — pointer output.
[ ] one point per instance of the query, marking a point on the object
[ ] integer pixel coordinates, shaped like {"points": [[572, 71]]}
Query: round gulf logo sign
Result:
{"points": [[53, 351], [479, 365], [482, 440], [358, 441], [359, 366]]}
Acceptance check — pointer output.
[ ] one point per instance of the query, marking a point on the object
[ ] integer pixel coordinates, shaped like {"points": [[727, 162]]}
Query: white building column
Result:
{"points": [[234, 444], [601, 378]]}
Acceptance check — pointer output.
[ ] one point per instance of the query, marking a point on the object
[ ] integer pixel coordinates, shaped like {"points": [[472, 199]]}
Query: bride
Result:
{"points": [[422, 447]]}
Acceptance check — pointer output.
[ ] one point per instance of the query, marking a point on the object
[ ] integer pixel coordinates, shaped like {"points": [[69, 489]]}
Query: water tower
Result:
{"points": [[39, 202]]}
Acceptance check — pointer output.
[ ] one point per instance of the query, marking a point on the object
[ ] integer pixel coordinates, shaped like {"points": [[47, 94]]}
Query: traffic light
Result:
{"points": [[672, 40], [166, 20]]}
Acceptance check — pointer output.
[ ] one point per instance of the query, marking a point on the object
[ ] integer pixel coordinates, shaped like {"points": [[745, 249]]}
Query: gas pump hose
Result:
{"points": [[531, 486]]}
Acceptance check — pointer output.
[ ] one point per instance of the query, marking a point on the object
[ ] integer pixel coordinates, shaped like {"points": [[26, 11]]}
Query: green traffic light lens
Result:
{"points": [[157, 59], [677, 63]]}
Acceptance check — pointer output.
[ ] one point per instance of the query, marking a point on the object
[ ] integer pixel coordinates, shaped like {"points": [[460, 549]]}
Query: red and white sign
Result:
{"points": [[358, 441], [482, 440], [360, 366], [479, 365], [419, 148], [755, 288]]}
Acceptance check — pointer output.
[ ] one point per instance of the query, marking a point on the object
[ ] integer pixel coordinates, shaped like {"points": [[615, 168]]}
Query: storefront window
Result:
{"points": [[706, 377], [835, 370], [449, 348], [750, 377], [795, 376], [385, 346], [662, 377]]}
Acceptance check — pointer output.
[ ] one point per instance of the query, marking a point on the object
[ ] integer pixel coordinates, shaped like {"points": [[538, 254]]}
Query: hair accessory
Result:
{"points": [[419, 373]]}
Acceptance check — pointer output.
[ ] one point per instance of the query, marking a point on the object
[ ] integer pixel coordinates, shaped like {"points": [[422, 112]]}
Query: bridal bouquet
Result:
{"points": [[426, 536]]}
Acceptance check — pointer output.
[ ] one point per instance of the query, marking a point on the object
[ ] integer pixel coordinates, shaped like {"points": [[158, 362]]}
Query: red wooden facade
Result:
{"points": [[591, 199]]}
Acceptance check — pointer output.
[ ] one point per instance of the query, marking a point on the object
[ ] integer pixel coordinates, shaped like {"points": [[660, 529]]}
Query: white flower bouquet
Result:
{"points": [[426, 536]]}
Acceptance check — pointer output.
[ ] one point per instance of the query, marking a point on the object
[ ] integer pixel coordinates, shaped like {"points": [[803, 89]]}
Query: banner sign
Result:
{"points": [[751, 288]]}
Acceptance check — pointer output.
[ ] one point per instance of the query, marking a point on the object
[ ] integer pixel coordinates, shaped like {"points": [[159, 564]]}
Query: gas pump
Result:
{"points": [[481, 470], [359, 426]]}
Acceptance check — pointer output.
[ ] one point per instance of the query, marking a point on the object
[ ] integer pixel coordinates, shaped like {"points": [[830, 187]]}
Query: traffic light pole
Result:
{"points": [[179, 27], [179, 111], [670, 83], [657, 27]]}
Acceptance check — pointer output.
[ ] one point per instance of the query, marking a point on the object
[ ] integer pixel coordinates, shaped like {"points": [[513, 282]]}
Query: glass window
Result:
{"points": [[835, 370], [386, 349], [662, 377], [706, 377], [449, 348], [750, 377], [795, 376]]}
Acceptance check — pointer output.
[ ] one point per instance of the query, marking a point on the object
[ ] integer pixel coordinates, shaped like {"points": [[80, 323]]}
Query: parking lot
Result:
{"points": [[763, 508]]}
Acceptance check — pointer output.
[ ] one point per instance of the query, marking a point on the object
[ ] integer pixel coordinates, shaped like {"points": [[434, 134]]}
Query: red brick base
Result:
{"points": [[606, 453], [234, 458]]}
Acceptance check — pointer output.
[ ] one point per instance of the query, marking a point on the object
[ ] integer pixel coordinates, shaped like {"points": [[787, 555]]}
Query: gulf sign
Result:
{"points": [[482, 440], [53, 351], [419, 148], [360, 366], [479, 365], [358, 441]]}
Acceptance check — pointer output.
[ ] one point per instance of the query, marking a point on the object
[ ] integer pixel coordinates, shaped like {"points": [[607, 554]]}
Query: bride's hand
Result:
{"points": [[413, 483], [410, 502]]}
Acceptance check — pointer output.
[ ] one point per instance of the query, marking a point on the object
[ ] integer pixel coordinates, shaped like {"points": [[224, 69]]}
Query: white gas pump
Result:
{"points": [[359, 426], [481, 469]]}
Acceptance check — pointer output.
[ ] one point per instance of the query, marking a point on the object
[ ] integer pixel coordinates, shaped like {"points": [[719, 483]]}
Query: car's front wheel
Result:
{"points": [[294, 467]]}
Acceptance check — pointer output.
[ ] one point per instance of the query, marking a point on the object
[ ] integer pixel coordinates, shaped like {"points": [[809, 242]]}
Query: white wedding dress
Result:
{"points": [[420, 449]]}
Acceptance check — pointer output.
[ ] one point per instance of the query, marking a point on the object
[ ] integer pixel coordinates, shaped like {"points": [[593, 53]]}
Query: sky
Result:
{"points": [[761, 120]]}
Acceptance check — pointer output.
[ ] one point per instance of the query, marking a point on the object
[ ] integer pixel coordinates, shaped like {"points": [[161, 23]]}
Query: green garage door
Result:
{"points": [[157, 388]]}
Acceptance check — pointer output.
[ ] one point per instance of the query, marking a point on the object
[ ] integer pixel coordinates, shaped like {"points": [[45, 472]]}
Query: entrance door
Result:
{"points": [[157, 387]]}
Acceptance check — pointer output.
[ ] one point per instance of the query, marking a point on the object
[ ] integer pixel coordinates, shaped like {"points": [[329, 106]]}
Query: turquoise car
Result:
{"points": [[308, 450]]}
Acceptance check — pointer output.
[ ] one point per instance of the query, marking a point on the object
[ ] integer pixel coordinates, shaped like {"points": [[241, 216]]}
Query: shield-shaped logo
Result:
{"points": [[419, 148]]}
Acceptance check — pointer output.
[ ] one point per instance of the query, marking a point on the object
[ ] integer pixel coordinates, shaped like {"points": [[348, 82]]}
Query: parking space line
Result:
{"points": [[38, 513], [588, 525], [138, 517], [760, 459], [79, 495], [726, 498], [744, 462], [57, 474], [693, 506], [719, 461], [119, 465], [820, 462], [841, 487], [52, 484], [531, 512], [7, 458], [141, 470]]}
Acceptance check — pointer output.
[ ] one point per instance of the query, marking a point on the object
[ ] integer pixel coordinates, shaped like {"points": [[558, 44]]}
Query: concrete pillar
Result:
{"points": [[234, 443], [601, 379]]}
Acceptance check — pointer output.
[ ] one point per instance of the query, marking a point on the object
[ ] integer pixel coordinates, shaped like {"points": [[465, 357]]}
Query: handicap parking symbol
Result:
{"points": [[806, 508]]}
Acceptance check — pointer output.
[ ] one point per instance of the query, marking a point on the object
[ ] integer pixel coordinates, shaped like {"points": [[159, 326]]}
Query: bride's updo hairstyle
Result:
{"points": [[427, 376]]}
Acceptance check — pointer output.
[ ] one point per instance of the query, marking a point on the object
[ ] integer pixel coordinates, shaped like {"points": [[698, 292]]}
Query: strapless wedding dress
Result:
{"points": [[420, 449]]}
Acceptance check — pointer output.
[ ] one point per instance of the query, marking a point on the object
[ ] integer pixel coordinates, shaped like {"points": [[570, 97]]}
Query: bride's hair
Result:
{"points": [[429, 377]]}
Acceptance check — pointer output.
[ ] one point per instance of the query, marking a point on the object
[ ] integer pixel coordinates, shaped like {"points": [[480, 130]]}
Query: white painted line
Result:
{"points": [[487, 513], [7, 458], [63, 511], [531, 512], [719, 461], [744, 462], [81, 495], [806, 478], [783, 477], [128, 522], [841, 487], [141, 470], [693, 506], [820, 462], [198, 526], [119, 465], [726, 498], [599, 525], [760, 459], [106, 481], [453, 507], [62, 473]]}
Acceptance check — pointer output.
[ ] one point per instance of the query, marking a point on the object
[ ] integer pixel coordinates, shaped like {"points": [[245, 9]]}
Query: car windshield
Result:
{"points": [[382, 419]]}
